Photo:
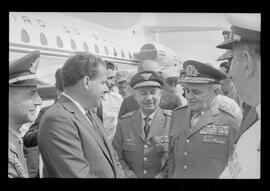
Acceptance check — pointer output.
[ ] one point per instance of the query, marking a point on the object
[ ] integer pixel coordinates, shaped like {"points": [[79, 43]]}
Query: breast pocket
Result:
{"points": [[161, 143], [129, 145]]}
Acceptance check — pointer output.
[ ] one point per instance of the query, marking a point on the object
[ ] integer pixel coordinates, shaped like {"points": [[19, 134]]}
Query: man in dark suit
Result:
{"points": [[202, 133], [168, 101], [141, 138], [71, 139]]}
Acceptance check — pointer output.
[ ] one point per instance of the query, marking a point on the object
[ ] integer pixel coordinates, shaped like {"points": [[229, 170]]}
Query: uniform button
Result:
{"points": [[185, 166], [187, 140], [145, 172], [185, 153], [145, 146], [144, 158]]}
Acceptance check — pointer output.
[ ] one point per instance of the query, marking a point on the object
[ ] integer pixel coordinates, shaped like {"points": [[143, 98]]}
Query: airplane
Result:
{"points": [[57, 35]]}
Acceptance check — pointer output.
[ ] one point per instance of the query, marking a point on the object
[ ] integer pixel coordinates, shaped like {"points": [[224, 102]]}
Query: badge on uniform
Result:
{"points": [[220, 130], [214, 139], [161, 139]]}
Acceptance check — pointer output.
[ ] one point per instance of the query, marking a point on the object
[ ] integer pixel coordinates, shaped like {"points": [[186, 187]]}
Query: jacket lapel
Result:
{"points": [[182, 122], [157, 123], [136, 124], [72, 108], [205, 119], [109, 149]]}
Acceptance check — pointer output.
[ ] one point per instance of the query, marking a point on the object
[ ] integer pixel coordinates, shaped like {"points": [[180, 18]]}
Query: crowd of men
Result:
{"points": [[104, 123]]}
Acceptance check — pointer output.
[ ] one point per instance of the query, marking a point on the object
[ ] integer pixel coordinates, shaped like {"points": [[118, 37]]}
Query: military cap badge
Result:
{"points": [[34, 66], [191, 70], [146, 76]]}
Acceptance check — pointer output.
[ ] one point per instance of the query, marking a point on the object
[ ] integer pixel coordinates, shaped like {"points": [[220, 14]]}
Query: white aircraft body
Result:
{"points": [[57, 35]]}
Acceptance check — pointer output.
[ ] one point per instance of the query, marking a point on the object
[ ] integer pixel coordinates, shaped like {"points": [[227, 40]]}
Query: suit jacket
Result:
{"points": [[168, 101], [69, 145], [145, 158], [203, 151]]}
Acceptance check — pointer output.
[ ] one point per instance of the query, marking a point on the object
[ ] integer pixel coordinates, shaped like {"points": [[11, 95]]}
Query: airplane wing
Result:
{"points": [[164, 29]]}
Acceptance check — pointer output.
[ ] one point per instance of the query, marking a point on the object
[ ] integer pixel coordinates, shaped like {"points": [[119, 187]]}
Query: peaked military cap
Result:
{"points": [[245, 27], [146, 78], [226, 56], [22, 72], [121, 76], [197, 72]]}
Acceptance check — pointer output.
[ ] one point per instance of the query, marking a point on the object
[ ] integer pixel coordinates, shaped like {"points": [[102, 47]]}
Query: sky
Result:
{"points": [[195, 45]]}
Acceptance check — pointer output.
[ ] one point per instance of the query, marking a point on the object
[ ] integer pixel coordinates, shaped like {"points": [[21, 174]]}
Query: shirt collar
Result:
{"points": [[150, 116], [76, 103], [258, 110]]}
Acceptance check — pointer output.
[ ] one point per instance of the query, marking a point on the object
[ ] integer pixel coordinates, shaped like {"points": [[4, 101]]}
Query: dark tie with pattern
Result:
{"points": [[89, 116], [146, 126]]}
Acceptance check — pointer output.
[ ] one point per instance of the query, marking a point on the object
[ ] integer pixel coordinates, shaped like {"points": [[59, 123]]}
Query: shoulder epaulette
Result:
{"points": [[180, 107], [167, 112], [127, 115], [227, 110]]}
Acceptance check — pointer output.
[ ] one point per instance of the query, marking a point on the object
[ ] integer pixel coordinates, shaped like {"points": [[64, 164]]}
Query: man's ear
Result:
{"points": [[249, 64], [86, 82]]}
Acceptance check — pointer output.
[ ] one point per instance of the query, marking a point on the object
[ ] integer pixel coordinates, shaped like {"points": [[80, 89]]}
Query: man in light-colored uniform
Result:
{"points": [[246, 73]]}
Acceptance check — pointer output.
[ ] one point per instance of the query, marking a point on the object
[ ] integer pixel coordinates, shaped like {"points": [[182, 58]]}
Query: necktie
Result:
{"points": [[89, 116], [194, 119], [146, 126]]}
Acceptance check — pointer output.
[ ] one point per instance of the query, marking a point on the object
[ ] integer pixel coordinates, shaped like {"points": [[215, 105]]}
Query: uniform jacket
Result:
{"points": [[204, 151], [70, 146], [17, 167], [144, 158], [168, 101], [246, 158]]}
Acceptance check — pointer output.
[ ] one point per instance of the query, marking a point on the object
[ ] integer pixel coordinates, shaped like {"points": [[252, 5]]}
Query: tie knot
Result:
{"points": [[147, 119]]}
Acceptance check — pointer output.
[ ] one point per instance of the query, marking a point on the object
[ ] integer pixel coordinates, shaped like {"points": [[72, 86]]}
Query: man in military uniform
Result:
{"points": [[201, 133], [23, 102], [141, 138], [246, 73], [168, 101]]}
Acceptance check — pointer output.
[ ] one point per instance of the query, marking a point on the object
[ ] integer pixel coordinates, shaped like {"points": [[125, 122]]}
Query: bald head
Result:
{"points": [[148, 65]]}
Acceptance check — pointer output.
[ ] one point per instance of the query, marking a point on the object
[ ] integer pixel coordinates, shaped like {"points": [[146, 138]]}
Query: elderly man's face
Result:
{"points": [[148, 98], [23, 102], [238, 72], [122, 86], [199, 96]]}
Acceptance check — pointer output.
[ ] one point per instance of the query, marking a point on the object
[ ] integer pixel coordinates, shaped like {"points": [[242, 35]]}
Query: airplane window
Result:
{"points": [[96, 49], [43, 39], [59, 42], [114, 52], [25, 36], [106, 50], [73, 44], [123, 54], [129, 54], [85, 46]]}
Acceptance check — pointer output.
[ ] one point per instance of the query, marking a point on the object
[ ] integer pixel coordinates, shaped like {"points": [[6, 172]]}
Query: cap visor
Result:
{"points": [[30, 82], [147, 84], [197, 80], [226, 45]]}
